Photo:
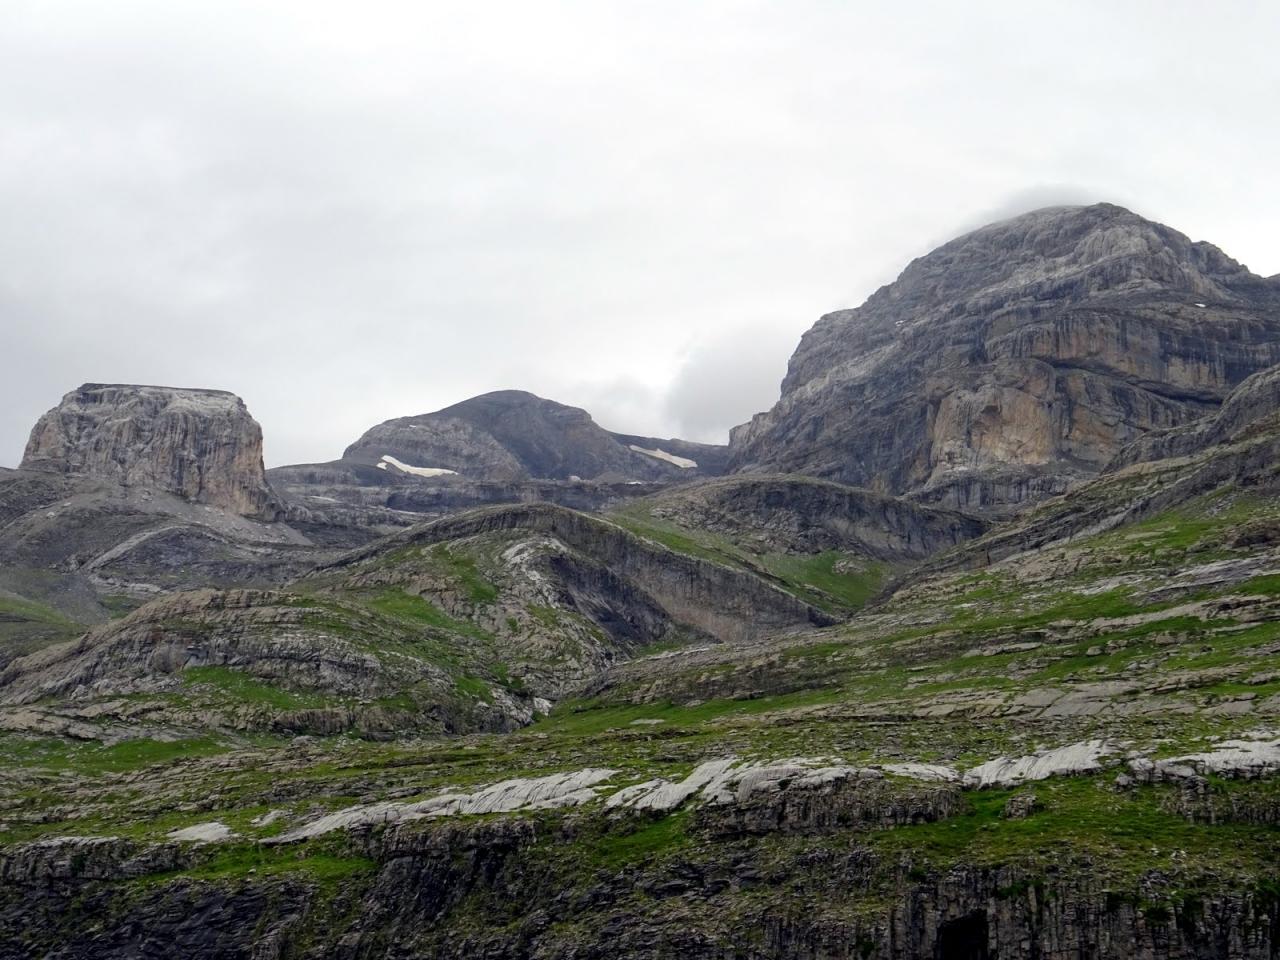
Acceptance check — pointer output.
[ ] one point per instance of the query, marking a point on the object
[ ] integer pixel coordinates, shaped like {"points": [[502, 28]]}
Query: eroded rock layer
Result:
{"points": [[1017, 359], [200, 444]]}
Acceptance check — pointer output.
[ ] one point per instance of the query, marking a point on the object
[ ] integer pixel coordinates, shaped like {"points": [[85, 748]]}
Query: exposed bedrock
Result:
{"points": [[728, 604], [199, 444], [1251, 410], [806, 515], [512, 435], [1018, 359], [497, 889]]}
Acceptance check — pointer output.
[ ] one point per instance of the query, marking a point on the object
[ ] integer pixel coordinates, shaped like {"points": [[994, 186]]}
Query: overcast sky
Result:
{"points": [[347, 212]]}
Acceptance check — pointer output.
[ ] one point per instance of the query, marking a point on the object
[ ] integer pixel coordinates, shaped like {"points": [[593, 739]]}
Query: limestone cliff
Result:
{"points": [[200, 444], [1018, 359]]}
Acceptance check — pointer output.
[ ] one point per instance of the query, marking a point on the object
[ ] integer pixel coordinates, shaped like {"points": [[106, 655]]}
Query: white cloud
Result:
{"points": [[350, 215]]}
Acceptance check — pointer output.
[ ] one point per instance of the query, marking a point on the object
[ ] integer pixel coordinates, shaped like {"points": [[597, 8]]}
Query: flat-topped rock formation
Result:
{"points": [[199, 444]]}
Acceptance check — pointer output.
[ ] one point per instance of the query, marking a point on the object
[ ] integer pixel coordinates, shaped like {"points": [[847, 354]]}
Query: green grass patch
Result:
{"points": [[588, 717], [464, 569], [650, 841], [242, 862], [92, 758], [807, 574], [475, 688], [240, 686]]}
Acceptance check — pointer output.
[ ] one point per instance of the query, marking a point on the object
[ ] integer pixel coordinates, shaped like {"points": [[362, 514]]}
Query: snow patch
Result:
{"points": [[387, 459], [684, 463]]}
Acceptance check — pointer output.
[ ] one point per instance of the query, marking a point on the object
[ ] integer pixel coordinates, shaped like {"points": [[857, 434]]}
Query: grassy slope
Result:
{"points": [[951, 637], [811, 578]]}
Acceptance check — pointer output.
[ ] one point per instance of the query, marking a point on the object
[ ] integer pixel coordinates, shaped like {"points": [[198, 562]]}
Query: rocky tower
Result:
{"points": [[199, 444], [1017, 359]]}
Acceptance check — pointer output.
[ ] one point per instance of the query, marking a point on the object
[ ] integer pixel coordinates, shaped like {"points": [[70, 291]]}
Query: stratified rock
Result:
{"points": [[200, 444], [347, 501], [803, 515], [1250, 410], [1018, 359], [511, 435]]}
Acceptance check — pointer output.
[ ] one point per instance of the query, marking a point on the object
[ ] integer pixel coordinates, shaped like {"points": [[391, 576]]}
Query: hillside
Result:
{"points": [[567, 703]]}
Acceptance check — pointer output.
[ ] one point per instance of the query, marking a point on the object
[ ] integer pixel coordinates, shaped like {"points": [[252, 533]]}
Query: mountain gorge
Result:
{"points": [[968, 648]]}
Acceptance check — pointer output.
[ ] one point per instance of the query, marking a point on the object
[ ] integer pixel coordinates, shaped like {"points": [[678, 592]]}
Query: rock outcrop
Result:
{"points": [[349, 501], [248, 659], [452, 626], [1249, 411], [803, 515], [199, 444], [1018, 359], [490, 888], [608, 574], [511, 435]]}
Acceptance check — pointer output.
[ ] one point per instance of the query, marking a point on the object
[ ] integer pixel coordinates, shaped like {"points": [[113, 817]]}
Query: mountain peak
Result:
{"points": [[1017, 358], [516, 435]]}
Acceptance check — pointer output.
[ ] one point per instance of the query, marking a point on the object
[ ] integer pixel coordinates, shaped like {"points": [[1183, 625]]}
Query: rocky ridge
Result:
{"points": [[511, 435]]}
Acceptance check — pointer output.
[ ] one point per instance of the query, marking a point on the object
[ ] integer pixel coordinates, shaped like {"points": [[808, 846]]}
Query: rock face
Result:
{"points": [[324, 667], [346, 496], [801, 515], [598, 570], [1248, 412], [423, 878], [512, 435], [200, 444], [1018, 359]]}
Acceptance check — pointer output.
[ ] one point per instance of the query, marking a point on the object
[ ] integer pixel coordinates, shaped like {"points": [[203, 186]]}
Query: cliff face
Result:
{"points": [[1249, 412], [512, 435], [804, 516], [1018, 359], [199, 444], [493, 890]]}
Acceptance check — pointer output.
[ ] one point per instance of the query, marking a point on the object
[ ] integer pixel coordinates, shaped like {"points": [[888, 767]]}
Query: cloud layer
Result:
{"points": [[637, 208]]}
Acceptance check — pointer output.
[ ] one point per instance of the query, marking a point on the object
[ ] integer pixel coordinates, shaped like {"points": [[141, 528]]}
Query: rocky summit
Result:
{"points": [[199, 444], [1017, 360], [514, 435], [967, 650]]}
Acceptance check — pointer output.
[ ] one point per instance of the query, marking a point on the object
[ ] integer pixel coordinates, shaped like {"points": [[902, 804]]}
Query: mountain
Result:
{"points": [[513, 435], [199, 444], [504, 447], [760, 715], [1017, 360]]}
